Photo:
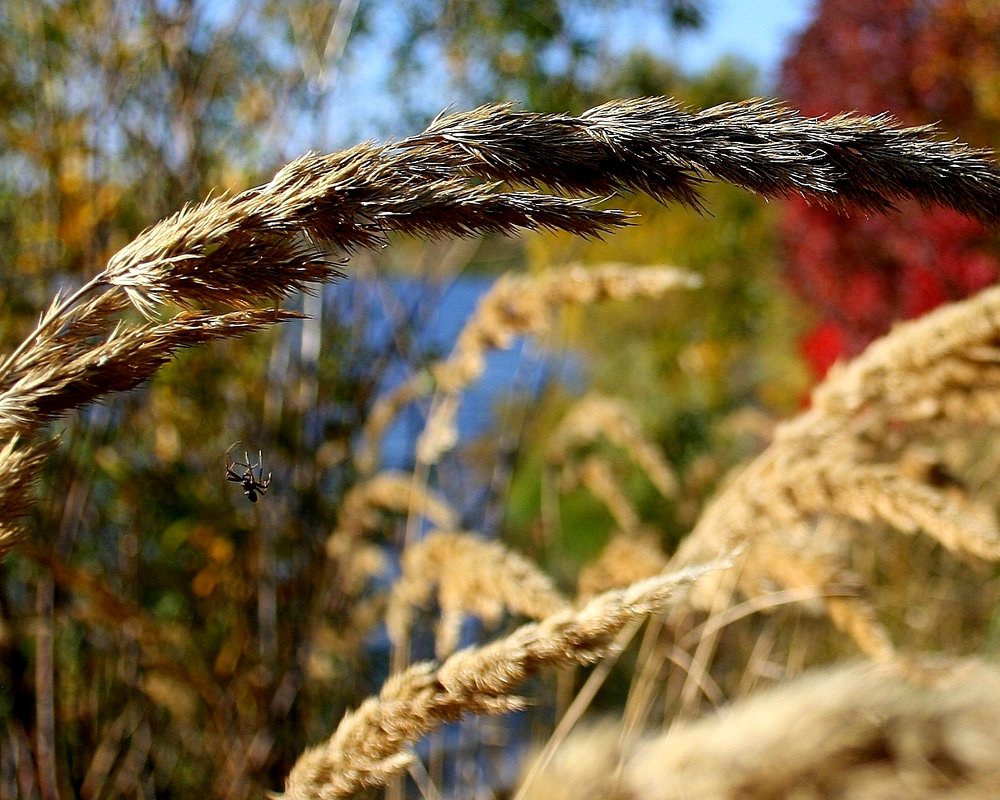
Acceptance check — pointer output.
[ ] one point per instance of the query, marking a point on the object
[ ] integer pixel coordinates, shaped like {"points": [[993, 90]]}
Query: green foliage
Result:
{"points": [[546, 54]]}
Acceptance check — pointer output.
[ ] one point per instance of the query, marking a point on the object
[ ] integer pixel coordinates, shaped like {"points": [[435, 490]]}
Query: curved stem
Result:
{"points": [[53, 316]]}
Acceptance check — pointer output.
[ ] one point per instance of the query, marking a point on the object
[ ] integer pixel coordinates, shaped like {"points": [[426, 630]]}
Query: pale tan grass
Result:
{"points": [[943, 366], [392, 491], [848, 732], [373, 743], [789, 546], [785, 493], [522, 305], [597, 416], [231, 253], [516, 305], [20, 464], [852, 732], [627, 558], [275, 239], [361, 512], [69, 371], [467, 575], [598, 477], [813, 558], [82, 353], [851, 456]]}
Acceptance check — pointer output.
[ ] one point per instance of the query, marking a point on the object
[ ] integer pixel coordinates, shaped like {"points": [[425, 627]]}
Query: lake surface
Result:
{"points": [[430, 317]]}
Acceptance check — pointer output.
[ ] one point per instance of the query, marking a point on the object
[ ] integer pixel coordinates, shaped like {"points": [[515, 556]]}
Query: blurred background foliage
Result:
{"points": [[159, 635]]}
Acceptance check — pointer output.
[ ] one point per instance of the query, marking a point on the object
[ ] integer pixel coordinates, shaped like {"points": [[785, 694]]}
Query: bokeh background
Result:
{"points": [[159, 636]]}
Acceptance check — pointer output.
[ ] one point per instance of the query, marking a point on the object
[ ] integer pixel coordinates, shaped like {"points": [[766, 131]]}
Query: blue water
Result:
{"points": [[432, 316]]}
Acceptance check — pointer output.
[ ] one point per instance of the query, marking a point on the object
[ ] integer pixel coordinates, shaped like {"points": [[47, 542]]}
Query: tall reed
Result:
{"points": [[214, 270]]}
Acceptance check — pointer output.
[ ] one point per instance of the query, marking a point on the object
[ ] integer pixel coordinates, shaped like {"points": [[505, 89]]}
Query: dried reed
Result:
{"points": [[943, 367], [73, 369], [388, 491], [652, 145], [19, 465], [850, 455], [275, 239], [596, 416], [516, 305], [856, 731], [472, 576], [372, 744], [598, 477], [360, 512], [627, 558], [853, 731], [231, 253]]}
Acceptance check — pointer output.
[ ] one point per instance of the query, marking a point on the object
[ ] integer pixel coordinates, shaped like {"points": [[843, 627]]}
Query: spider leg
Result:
{"points": [[251, 475]]}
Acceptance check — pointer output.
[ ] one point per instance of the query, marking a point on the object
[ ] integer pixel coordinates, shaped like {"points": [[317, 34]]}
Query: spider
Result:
{"points": [[252, 484]]}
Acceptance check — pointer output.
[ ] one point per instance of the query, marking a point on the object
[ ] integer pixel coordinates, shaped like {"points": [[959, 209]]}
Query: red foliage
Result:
{"points": [[923, 61]]}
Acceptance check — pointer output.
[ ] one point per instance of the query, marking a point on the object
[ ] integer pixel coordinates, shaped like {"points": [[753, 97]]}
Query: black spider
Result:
{"points": [[252, 484]]}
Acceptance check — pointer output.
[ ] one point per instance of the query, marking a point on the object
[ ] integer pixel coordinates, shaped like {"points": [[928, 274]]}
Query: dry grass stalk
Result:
{"points": [[262, 244], [80, 355], [840, 458], [791, 491], [516, 305], [627, 558], [856, 731], [596, 476], [274, 239], [652, 145], [19, 465], [812, 557], [944, 366], [237, 251], [361, 511], [73, 370], [597, 416], [389, 491], [472, 576], [372, 744], [784, 493], [853, 731]]}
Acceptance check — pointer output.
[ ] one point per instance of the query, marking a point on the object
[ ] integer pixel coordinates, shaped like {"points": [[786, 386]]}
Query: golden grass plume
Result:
{"points": [[627, 558], [596, 416], [278, 238], [372, 744], [856, 455], [850, 731], [361, 511], [516, 305], [472, 576]]}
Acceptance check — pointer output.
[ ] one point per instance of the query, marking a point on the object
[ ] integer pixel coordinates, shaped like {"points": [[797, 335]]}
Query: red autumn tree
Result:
{"points": [[923, 61]]}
